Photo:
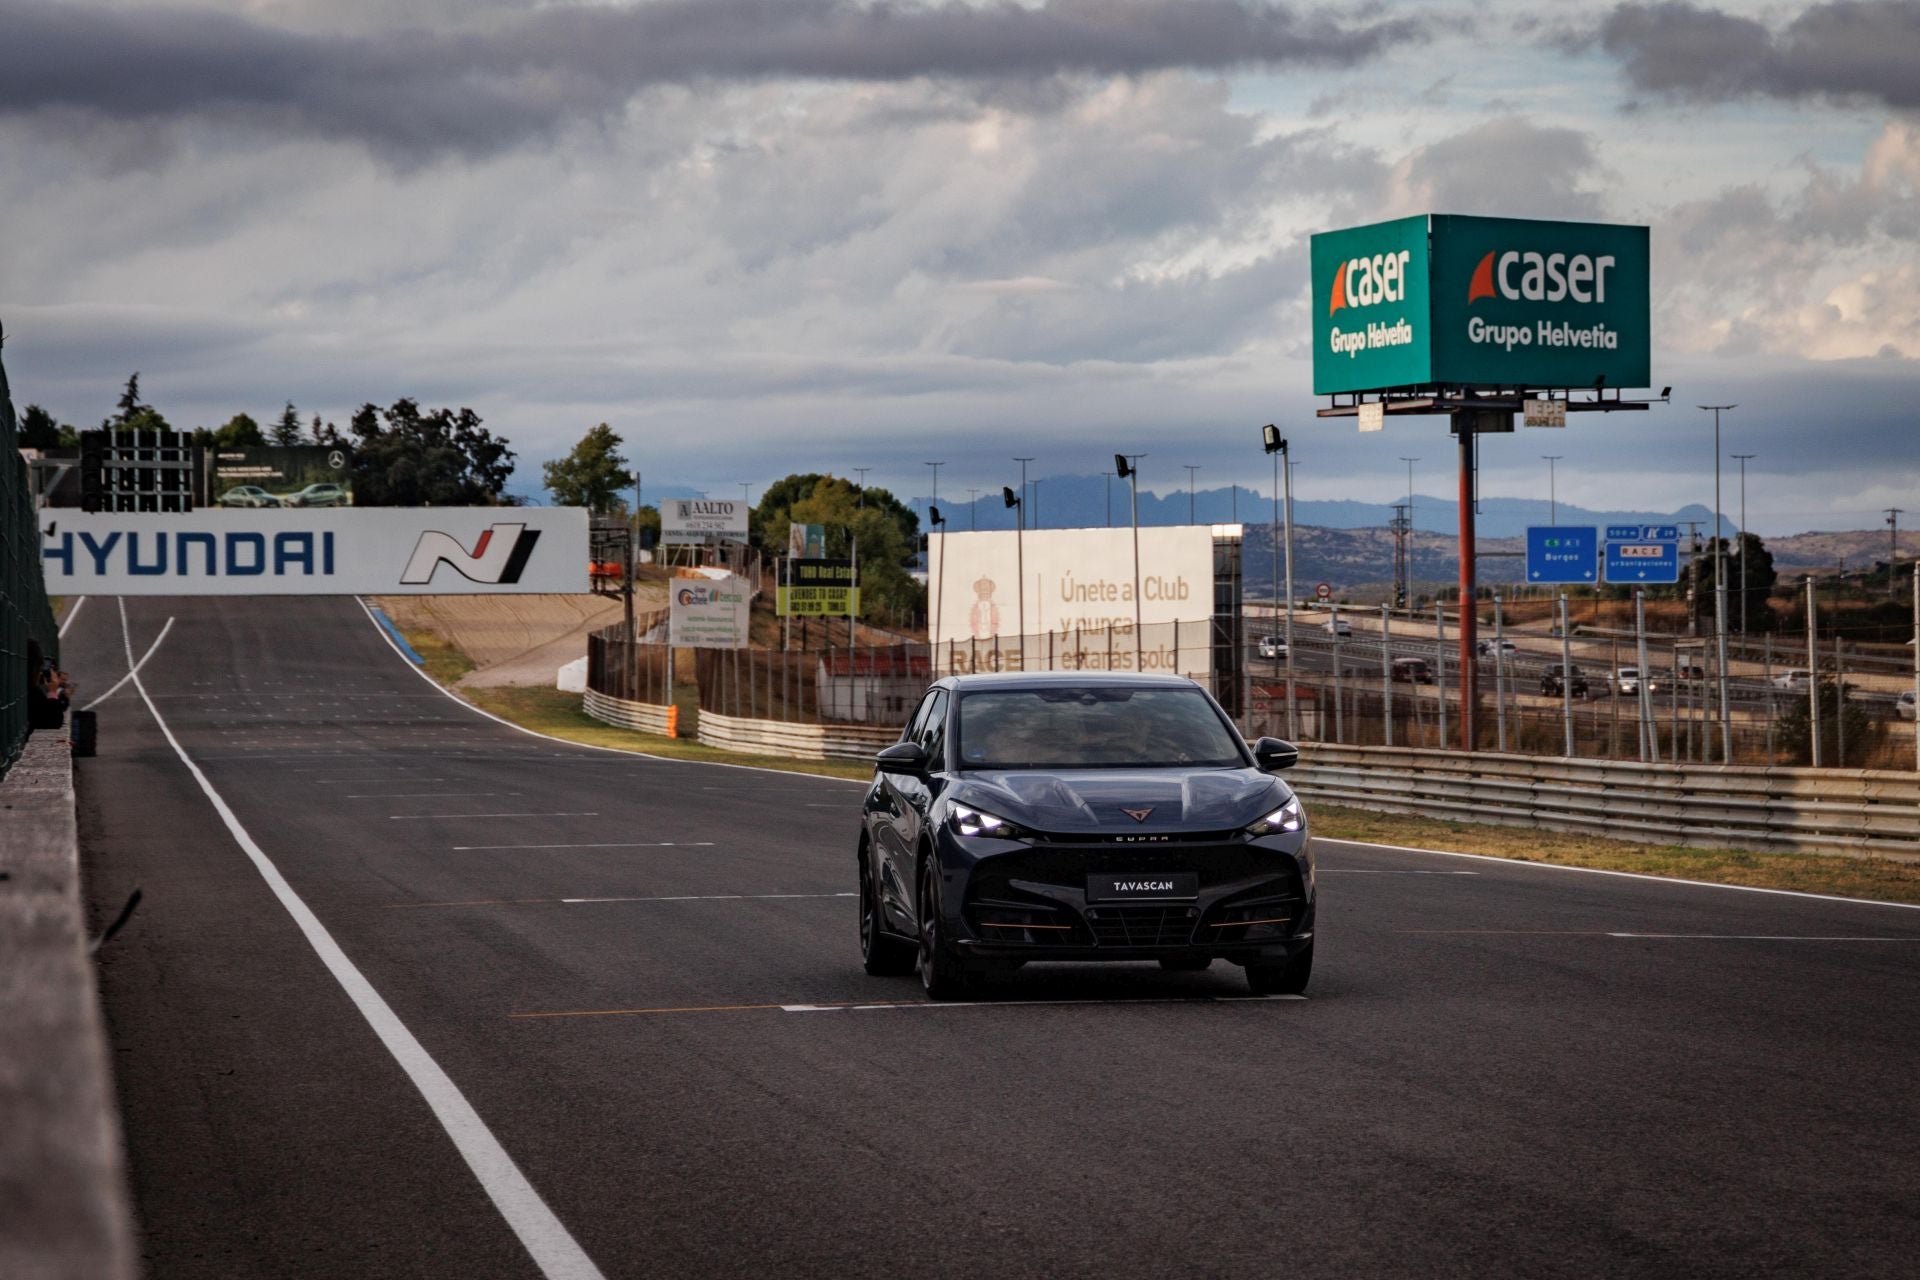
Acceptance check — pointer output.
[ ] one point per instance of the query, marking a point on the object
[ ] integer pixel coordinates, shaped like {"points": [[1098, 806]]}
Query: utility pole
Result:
{"points": [[1693, 576], [1744, 458], [1020, 556], [1400, 525], [1191, 470], [973, 512], [1408, 596], [1893, 550], [862, 473], [1108, 477], [935, 499], [1720, 592], [1036, 502], [1553, 498]]}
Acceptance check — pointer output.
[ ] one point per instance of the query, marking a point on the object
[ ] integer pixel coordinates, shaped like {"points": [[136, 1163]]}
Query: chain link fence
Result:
{"points": [[26, 615]]}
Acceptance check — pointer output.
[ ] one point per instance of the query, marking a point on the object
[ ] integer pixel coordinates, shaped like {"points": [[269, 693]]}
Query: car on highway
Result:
{"points": [[1689, 671], [1069, 816], [247, 495], [1337, 627], [1903, 705], [1554, 682], [1793, 678], [1487, 648], [318, 495], [1272, 647], [1626, 682], [1412, 671]]}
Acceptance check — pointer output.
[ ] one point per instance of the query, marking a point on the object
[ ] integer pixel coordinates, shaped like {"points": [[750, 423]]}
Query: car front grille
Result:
{"points": [[1142, 926]]}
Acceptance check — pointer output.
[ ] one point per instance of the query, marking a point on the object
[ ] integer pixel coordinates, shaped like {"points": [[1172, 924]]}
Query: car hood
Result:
{"points": [[1095, 800]]}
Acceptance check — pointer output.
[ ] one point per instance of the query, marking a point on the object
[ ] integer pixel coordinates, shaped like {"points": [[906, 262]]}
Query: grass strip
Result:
{"points": [[552, 712]]}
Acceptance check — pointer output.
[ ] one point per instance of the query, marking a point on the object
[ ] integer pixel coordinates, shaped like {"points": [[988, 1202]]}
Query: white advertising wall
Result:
{"points": [[1078, 599], [708, 613], [695, 520], [317, 552]]}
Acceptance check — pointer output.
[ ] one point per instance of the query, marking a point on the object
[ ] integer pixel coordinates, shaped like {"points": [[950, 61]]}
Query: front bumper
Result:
{"points": [[1254, 902]]}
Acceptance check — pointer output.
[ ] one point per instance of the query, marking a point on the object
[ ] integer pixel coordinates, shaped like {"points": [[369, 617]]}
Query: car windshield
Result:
{"points": [[1094, 727]]}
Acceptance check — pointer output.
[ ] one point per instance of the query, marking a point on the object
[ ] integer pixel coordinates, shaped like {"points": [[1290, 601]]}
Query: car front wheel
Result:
{"points": [[941, 972], [1288, 978]]}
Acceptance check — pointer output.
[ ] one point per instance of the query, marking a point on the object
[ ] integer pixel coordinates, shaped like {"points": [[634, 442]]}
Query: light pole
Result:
{"points": [[1720, 590], [973, 512], [862, 473], [1020, 559], [1191, 472], [1276, 444], [1108, 477], [1743, 538], [936, 489], [1553, 497], [1127, 467], [1036, 502], [939, 588]]}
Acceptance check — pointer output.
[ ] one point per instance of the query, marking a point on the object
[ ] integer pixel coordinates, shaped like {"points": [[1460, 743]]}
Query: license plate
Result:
{"points": [[1109, 888]]}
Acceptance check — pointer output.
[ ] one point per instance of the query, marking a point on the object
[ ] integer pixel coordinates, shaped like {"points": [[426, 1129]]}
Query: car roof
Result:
{"points": [[1063, 680]]}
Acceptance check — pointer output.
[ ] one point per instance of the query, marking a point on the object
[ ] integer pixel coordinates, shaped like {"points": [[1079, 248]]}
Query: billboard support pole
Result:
{"points": [[1464, 423]]}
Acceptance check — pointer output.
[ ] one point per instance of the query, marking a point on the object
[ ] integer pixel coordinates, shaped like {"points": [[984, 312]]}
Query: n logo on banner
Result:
{"points": [[497, 560]]}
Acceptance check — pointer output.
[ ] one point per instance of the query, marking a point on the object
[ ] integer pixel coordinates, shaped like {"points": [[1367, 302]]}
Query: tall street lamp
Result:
{"points": [[1276, 445], [973, 511], [1191, 472], [940, 583], [1553, 496], [1743, 538], [1409, 587], [1020, 559], [1127, 467], [936, 488], [1720, 589]]}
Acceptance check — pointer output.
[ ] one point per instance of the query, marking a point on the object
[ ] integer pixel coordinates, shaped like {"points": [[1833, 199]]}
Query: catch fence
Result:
{"points": [[26, 615]]}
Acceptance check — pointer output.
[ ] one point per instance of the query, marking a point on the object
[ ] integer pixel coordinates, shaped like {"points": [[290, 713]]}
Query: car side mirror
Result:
{"points": [[902, 757], [1273, 754]]}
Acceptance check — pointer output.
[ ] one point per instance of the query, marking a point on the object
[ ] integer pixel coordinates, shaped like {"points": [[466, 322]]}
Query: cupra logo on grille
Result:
{"points": [[1138, 815]]}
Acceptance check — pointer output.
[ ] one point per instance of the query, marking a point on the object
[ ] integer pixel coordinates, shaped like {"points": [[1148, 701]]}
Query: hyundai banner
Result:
{"points": [[1462, 301], [321, 552]]}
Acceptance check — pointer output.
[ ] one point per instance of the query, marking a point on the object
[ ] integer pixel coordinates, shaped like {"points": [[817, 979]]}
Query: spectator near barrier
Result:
{"points": [[49, 692]]}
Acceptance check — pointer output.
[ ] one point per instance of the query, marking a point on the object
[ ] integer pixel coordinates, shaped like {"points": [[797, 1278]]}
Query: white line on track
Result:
{"points": [[618, 751], [1518, 864], [1754, 937], [720, 897], [133, 667], [404, 817], [621, 844], [553, 1249], [67, 621], [1359, 871]]}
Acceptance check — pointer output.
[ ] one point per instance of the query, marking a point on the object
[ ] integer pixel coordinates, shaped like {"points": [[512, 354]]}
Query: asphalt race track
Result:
{"points": [[635, 1003]]}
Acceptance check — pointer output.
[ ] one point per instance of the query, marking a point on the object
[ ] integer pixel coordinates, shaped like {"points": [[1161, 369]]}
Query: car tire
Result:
{"points": [[941, 971], [1288, 978], [883, 955], [1185, 964]]}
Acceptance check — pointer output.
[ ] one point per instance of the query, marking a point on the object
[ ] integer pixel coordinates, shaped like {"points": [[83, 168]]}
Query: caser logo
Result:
{"points": [[1361, 282], [1549, 277], [498, 558]]}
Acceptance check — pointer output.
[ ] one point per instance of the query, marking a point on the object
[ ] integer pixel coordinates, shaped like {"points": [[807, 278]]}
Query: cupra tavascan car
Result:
{"points": [[1077, 816]]}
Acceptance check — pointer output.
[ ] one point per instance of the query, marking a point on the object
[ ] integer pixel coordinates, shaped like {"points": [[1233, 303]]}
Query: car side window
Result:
{"points": [[914, 726], [933, 731]]}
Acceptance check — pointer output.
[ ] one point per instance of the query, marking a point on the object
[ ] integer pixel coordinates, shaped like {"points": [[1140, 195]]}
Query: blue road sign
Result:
{"points": [[1645, 560], [1563, 553], [1643, 533]]}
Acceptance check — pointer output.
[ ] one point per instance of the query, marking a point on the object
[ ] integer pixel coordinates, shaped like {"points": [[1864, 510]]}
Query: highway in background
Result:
{"points": [[632, 988]]}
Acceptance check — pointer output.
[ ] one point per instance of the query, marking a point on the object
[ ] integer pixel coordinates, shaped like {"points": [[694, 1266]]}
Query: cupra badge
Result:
{"points": [[1138, 815]]}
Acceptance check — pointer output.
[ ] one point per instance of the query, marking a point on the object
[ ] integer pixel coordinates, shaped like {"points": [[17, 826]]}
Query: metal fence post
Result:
{"points": [[1813, 670], [1500, 667], [1339, 699], [1840, 698], [1386, 676], [1643, 684], [1440, 668], [1566, 677]]}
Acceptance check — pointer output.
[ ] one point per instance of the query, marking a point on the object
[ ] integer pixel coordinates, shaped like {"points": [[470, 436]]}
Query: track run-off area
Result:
{"points": [[414, 993]]}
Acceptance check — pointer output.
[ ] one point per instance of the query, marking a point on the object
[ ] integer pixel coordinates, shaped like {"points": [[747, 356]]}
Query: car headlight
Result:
{"points": [[1288, 817], [975, 822]]}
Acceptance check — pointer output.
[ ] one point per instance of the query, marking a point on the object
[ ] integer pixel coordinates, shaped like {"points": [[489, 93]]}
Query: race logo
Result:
{"points": [[497, 559]]}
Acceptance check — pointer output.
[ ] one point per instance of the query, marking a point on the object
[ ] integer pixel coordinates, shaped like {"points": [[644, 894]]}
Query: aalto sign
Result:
{"points": [[1446, 300]]}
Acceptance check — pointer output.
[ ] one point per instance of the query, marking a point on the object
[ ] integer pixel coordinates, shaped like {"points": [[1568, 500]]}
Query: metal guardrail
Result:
{"points": [[1854, 812], [26, 615], [785, 738], [647, 717]]}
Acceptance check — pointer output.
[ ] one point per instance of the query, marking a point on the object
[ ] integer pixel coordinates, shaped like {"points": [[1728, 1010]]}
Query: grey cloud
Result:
{"points": [[1847, 50], [477, 90], [1510, 167]]}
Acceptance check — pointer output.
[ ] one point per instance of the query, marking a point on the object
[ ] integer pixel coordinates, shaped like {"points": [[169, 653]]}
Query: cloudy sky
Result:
{"points": [[760, 236]]}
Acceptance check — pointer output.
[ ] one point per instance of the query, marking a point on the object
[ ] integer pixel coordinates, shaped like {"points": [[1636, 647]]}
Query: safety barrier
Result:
{"points": [[1856, 812], [26, 620], [783, 738], [647, 717]]}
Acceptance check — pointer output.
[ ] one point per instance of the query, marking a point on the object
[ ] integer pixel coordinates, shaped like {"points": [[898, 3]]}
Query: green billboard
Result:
{"points": [[1488, 302]]}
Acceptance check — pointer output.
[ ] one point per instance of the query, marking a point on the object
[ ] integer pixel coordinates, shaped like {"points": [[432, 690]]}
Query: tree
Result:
{"points": [[1760, 577], [1861, 735], [239, 432], [592, 476], [885, 531], [405, 458], [132, 413], [38, 429], [286, 428]]}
